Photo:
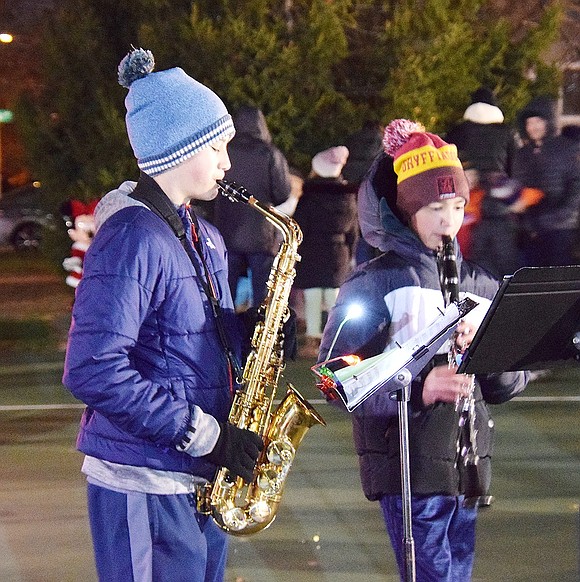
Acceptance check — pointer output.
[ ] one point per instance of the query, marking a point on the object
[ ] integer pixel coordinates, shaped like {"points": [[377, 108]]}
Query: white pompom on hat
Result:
{"points": [[329, 163]]}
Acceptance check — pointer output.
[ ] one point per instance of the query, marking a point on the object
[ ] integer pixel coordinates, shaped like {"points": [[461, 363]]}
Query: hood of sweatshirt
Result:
{"points": [[114, 201]]}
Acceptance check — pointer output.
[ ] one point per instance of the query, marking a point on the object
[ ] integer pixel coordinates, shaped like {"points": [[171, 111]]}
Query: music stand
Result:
{"points": [[532, 323]]}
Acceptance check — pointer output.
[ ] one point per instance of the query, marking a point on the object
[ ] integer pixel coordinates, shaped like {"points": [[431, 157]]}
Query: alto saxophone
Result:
{"points": [[243, 508]]}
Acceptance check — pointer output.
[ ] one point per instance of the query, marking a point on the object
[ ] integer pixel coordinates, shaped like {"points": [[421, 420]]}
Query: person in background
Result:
{"points": [[364, 146], [484, 141], [296, 301], [154, 343], [486, 146], [494, 238], [471, 212], [572, 132], [326, 213], [407, 203], [259, 166], [549, 163]]}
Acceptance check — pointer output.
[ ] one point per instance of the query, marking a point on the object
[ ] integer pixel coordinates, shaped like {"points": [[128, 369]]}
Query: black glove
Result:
{"points": [[237, 449]]}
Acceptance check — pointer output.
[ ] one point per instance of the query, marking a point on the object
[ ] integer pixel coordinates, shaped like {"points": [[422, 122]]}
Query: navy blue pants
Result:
{"points": [[260, 264], [138, 537], [443, 533]]}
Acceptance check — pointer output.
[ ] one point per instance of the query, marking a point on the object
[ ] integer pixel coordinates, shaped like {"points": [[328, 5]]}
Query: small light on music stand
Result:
{"points": [[354, 311]]}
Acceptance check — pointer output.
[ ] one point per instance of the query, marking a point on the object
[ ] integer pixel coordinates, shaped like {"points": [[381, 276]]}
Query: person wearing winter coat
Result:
{"points": [[326, 214], [363, 145], [486, 146], [484, 141], [549, 163], [259, 166], [146, 352], [414, 195]]}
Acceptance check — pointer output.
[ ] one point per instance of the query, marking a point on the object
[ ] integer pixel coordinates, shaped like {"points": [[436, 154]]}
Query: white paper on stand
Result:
{"points": [[355, 383]]}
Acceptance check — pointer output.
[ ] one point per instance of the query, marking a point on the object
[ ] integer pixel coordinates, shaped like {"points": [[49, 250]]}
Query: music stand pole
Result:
{"points": [[403, 394]]}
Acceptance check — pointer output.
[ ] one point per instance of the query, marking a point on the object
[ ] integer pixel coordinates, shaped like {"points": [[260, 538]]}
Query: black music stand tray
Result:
{"points": [[533, 323]]}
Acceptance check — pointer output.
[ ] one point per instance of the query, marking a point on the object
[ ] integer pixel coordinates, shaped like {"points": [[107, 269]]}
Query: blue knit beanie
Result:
{"points": [[170, 116]]}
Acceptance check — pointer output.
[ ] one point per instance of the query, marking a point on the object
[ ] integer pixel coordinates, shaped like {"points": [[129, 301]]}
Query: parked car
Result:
{"points": [[22, 218]]}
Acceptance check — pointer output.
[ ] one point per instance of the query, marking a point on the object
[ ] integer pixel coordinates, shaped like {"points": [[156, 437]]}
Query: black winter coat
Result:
{"points": [[259, 166], [554, 168], [400, 293], [327, 215], [483, 141]]}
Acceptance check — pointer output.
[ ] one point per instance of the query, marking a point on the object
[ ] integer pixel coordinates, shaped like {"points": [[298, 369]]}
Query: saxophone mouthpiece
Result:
{"points": [[232, 191]]}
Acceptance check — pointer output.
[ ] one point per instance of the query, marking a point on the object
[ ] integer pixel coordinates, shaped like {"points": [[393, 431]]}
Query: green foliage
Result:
{"points": [[283, 63], [76, 129], [444, 49], [317, 68]]}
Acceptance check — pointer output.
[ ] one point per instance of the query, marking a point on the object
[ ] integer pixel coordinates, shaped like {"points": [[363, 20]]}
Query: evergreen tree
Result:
{"points": [[317, 69], [75, 132], [444, 49], [279, 58]]}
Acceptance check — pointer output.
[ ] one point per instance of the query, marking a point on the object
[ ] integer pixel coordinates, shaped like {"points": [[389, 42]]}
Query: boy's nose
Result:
{"points": [[447, 217], [225, 163]]}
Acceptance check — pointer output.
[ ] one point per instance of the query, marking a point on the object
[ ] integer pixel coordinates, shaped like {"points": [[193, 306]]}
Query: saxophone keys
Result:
{"points": [[269, 481], [234, 519], [280, 452], [260, 511]]}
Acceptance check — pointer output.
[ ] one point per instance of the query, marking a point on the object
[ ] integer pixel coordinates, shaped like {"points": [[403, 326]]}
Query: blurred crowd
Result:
{"points": [[523, 211]]}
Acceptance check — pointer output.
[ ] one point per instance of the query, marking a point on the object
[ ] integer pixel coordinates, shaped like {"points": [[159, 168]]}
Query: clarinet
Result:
{"points": [[466, 444]]}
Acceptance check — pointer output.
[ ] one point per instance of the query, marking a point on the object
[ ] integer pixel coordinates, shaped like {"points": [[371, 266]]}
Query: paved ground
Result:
{"points": [[325, 529]]}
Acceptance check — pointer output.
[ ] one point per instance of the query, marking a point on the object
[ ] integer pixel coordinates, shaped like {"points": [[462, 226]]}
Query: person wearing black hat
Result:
{"points": [[548, 162]]}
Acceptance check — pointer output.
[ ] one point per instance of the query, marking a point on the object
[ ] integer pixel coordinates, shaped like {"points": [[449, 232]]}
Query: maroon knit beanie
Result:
{"points": [[428, 169]]}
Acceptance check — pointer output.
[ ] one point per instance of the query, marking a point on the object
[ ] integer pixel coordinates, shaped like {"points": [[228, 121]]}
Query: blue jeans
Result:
{"points": [[138, 537], [260, 264], [443, 534]]}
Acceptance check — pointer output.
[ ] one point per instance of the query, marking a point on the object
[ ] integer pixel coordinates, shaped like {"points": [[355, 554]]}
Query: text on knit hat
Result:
{"points": [[428, 169]]}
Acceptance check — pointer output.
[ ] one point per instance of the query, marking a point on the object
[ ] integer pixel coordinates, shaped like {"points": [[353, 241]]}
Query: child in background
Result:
{"points": [[494, 237]]}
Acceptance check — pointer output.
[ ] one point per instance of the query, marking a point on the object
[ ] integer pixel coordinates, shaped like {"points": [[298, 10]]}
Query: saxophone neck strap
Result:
{"points": [[150, 193]]}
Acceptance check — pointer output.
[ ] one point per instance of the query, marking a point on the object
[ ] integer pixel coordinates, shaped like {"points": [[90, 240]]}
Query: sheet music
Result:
{"points": [[354, 384]]}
